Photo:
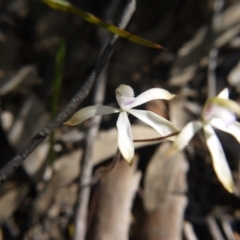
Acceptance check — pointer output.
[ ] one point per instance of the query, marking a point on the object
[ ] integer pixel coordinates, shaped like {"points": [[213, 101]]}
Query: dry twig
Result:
{"points": [[213, 53]]}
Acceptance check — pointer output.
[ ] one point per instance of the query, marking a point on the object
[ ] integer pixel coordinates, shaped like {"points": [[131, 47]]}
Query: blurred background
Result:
{"points": [[47, 55]]}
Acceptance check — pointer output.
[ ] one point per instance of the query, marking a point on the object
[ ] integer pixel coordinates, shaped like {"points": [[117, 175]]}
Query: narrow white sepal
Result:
{"points": [[220, 164], [186, 134], [224, 94], [125, 140], [89, 112], [233, 129], [160, 124], [151, 94]]}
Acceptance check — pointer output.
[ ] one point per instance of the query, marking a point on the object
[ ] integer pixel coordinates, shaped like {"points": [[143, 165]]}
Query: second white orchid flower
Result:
{"points": [[126, 101], [218, 112]]}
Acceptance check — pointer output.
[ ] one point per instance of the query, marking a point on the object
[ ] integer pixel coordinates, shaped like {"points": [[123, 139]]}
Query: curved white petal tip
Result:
{"points": [[125, 141], [224, 94], [89, 112], [220, 164]]}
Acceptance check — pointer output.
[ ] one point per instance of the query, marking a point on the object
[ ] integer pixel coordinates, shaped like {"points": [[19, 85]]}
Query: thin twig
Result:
{"points": [[86, 163], [213, 53], [188, 231], [64, 115], [100, 172], [212, 79], [86, 180], [227, 228], [157, 139], [214, 230]]}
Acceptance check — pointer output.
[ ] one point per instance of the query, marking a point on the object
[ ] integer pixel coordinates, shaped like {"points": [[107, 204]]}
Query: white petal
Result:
{"points": [[220, 164], [160, 124], [125, 141], [89, 112], [219, 124], [186, 135], [233, 129], [151, 94], [223, 94]]}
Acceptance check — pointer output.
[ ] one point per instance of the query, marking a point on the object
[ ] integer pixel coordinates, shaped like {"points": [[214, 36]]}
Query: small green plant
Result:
{"points": [[56, 89]]}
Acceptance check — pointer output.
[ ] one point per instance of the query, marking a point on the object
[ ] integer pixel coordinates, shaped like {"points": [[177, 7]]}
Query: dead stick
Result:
{"points": [[157, 139]]}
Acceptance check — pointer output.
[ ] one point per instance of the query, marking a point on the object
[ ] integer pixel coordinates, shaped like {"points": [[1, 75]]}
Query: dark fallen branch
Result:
{"points": [[64, 115]]}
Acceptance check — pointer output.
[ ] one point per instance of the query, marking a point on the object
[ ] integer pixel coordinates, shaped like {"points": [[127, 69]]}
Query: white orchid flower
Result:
{"points": [[126, 101], [218, 112]]}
